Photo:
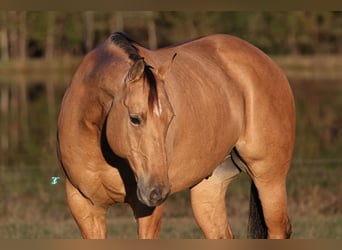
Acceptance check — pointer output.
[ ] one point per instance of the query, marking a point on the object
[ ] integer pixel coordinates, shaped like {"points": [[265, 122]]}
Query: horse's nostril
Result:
{"points": [[156, 195]]}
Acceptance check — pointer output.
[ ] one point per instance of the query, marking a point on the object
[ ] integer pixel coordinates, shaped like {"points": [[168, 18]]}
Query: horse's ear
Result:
{"points": [[136, 71], [165, 68]]}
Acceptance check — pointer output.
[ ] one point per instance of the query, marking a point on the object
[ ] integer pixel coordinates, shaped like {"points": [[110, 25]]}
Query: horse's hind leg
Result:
{"points": [[208, 201], [89, 218], [272, 193]]}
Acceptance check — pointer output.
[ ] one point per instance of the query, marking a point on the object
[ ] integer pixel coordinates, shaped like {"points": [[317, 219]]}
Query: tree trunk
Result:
{"points": [[22, 35], [116, 22], [3, 36], [89, 30], [50, 36], [151, 29], [13, 34]]}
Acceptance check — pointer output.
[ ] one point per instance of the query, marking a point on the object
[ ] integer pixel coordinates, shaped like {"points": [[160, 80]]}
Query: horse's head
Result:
{"points": [[137, 126]]}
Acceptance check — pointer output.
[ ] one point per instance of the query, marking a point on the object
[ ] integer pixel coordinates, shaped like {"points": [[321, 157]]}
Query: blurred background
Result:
{"points": [[40, 51]]}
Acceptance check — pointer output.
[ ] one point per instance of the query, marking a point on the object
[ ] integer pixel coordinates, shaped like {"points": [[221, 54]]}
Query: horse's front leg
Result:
{"points": [[148, 220], [89, 217]]}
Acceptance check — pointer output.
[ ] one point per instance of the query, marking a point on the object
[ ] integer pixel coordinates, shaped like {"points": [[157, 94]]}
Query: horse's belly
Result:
{"points": [[192, 163]]}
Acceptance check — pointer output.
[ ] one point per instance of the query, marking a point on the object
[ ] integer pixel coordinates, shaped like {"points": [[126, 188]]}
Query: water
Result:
{"points": [[28, 116], [29, 110]]}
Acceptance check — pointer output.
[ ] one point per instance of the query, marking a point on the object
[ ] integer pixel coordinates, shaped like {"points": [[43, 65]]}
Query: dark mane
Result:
{"points": [[126, 44]]}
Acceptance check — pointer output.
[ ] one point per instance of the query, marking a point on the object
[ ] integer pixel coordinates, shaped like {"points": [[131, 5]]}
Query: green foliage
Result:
{"points": [[37, 26], [295, 32]]}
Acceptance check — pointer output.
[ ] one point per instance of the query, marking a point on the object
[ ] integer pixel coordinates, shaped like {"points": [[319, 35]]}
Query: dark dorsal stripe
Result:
{"points": [[126, 44]]}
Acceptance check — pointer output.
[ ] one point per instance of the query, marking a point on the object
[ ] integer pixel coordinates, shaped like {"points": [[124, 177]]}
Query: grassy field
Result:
{"points": [[172, 228], [41, 212]]}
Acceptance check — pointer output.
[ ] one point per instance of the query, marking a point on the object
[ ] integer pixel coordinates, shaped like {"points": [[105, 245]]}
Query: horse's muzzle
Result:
{"points": [[153, 196]]}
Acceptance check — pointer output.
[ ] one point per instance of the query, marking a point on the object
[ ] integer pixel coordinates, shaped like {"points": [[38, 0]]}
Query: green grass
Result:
{"points": [[39, 230], [172, 228], [320, 227], [39, 210]]}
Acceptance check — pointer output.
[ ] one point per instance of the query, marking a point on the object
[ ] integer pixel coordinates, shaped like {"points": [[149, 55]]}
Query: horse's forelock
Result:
{"points": [[153, 93], [125, 43]]}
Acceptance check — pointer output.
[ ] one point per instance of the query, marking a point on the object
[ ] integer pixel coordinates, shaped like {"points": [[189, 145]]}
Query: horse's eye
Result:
{"points": [[135, 120]]}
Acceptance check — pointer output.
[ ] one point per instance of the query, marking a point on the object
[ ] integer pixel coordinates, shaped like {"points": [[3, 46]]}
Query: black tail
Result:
{"points": [[257, 228]]}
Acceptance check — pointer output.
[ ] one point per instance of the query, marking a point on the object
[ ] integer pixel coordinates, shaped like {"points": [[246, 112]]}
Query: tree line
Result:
{"points": [[52, 34]]}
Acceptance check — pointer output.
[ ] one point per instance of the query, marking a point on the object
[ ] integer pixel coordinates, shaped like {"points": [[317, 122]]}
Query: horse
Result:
{"points": [[138, 125]]}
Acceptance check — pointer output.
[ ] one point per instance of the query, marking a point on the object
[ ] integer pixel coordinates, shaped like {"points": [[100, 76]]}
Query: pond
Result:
{"points": [[29, 110]]}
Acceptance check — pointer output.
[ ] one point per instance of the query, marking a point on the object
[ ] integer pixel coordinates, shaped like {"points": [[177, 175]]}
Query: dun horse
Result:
{"points": [[138, 125]]}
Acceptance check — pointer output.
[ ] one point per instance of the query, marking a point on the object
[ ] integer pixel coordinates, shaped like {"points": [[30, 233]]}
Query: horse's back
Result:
{"points": [[231, 64]]}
